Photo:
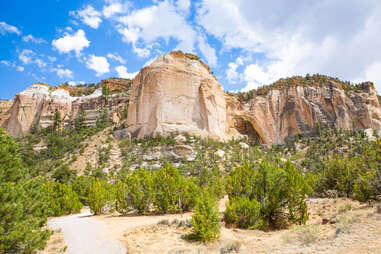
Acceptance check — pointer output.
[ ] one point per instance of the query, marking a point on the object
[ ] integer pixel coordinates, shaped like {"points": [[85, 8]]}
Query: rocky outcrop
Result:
{"points": [[274, 117], [5, 106], [177, 94], [37, 106]]}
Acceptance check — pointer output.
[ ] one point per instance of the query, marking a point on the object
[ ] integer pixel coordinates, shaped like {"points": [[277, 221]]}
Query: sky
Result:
{"points": [[247, 43]]}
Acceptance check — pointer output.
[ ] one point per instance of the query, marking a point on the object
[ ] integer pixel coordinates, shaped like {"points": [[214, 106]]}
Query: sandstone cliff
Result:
{"points": [[37, 105], [282, 112], [178, 94]]}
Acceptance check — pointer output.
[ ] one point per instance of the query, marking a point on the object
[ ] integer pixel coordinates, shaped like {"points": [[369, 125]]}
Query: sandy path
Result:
{"points": [[86, 235]]}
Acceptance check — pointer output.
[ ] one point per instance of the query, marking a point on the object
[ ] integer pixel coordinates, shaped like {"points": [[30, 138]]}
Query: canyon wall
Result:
{"points": [[177, 94]]}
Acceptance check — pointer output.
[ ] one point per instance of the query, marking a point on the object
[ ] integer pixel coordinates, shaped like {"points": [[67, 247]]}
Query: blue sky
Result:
{"points": [[247, 43]]}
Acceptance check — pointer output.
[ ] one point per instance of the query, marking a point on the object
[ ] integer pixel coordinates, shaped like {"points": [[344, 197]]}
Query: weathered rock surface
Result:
{"points": [[177, 94], [283, 113], [37, 105], [5, 106]]}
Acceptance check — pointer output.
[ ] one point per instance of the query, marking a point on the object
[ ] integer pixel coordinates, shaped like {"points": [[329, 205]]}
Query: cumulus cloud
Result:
{"points": [[143, 25], [89, 16], [114, 8], [208, 52], [64, 73], [26, 56], [232, 74], [5, 28], [20, 68], [31, 38], [76, 42], [342, 40], [99, 64], [183, 6], [122, 72], [116, 57]]}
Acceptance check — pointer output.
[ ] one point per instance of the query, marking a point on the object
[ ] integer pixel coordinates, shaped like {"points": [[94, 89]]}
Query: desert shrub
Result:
{"points": [[212, 181], [62, 199], [244, 213], [121, 201], [280, 192], [64, 174], [139, 190], [205, 220], [100, 195], [168, 188], [338, 174], [81, 186]]}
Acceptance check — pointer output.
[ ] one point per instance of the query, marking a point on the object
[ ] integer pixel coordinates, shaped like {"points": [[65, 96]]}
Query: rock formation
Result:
{"points": [[178, 94], [37, 106], [282, 113]]}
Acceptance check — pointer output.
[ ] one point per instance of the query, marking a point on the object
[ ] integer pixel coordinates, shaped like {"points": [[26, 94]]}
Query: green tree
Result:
{"points": [[167, 184], [140, 191], [99, 196], [205, 220], [11, 169], [103, 120], [20, 229], [57, 120], [79, 122], [244, 213], [280, 191], [105, 91]]}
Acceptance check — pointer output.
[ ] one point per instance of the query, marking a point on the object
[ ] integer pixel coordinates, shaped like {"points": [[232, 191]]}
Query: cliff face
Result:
{"points": [[282, 113], [4, 110], [178, 94], [37, 105]]}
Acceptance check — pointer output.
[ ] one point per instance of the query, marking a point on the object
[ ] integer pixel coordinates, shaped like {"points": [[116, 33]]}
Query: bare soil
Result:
{"points": [[334, 226]]}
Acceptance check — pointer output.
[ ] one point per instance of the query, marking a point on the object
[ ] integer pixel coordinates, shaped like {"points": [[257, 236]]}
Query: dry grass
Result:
{"points": [[305, 235]]}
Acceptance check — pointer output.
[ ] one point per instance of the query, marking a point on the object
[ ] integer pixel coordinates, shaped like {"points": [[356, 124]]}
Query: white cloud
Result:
{"points": [[52, 58], [142, 52], [255, 76], [99, 64], [5, 28], [232, 74], [208, 52], [116, 57], [90, 17], [122, 72], [183, 6], [76, 42], [20, 68], [40, 62], [31, 38], [114, 8], [143, 25], [64, 73], [26, 56], [6, 63], [343, 40]]}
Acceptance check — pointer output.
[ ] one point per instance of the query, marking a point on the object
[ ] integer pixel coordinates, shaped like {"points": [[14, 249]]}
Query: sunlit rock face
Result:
{"points": [[282, 113], [37, 105], [177, 94]]}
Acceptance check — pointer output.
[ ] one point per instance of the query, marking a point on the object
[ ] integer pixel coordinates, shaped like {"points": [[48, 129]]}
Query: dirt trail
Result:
{"points": [[85, 235]]}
